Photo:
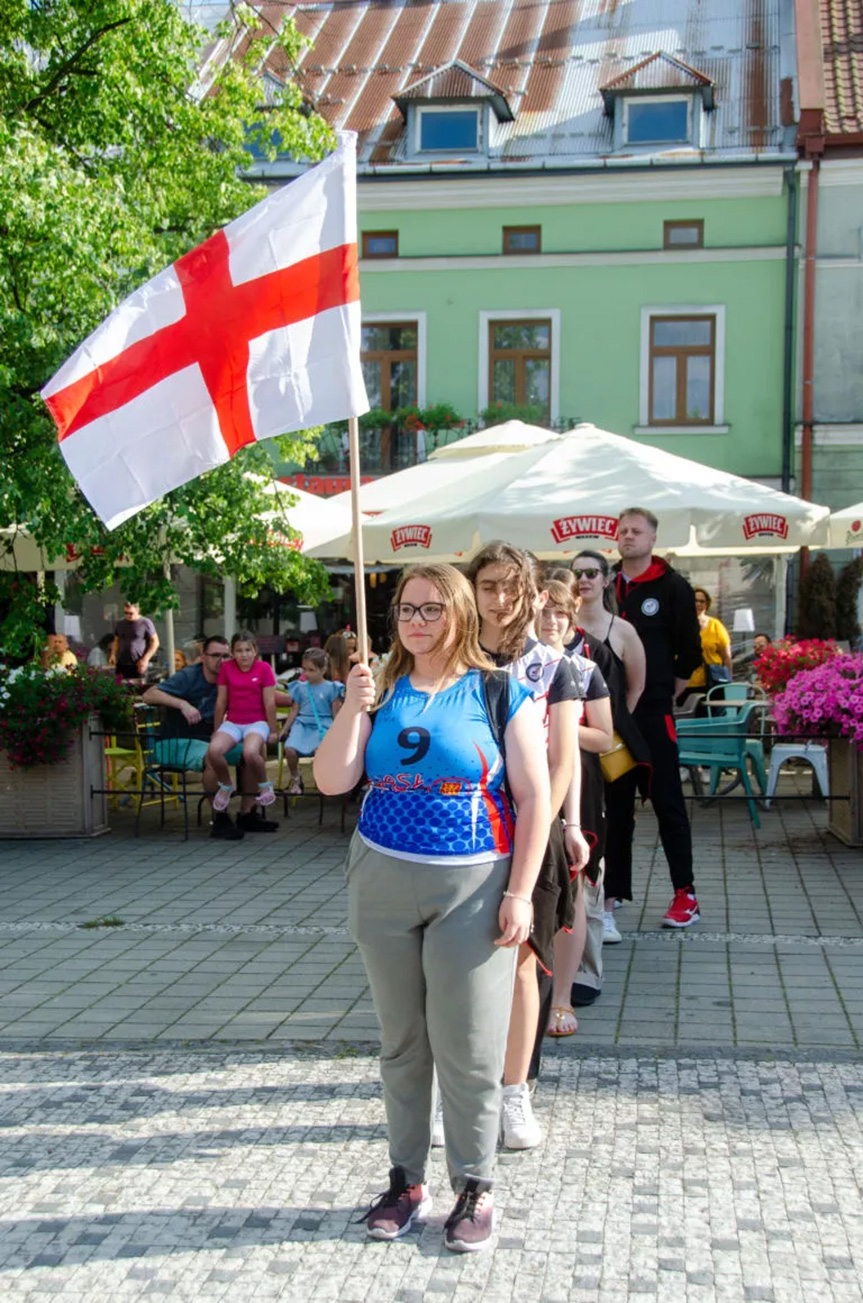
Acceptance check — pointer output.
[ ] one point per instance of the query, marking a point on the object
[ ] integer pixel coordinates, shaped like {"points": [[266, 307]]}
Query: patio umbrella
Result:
{"points": [[20, 551], [846, 527], [565, 494], [314, 518], [446, 467]]}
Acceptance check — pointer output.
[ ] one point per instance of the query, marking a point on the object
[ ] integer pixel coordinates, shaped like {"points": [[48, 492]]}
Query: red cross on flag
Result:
{"points": [[254, 333]]}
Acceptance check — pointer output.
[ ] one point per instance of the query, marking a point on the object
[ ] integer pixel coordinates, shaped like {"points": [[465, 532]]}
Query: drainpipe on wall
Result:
{"points": [[808, 376], [808, 360], [810, 143], [788, 359]]}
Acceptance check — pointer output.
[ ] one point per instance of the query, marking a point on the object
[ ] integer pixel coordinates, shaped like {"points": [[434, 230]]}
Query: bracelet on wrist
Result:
{"points": [[513, 895], [567, 823]]}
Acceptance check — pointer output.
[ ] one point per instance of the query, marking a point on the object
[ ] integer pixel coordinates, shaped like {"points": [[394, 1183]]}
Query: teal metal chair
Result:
{"points": [[725, 695], [722, 744]]}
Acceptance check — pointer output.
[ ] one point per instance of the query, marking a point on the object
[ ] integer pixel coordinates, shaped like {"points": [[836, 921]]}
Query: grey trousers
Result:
{"points": [[590, 970], [443, 994]]}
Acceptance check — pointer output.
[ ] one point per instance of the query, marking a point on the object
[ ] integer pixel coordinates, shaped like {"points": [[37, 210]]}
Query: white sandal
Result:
{"points": [[222, 799]]}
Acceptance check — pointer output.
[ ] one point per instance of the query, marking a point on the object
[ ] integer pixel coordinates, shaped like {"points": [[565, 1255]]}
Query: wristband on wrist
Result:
{"points": [[513, 895]]}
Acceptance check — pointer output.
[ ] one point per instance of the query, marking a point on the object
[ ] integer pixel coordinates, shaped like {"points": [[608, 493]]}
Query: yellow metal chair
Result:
{"points": [[124, 769]]}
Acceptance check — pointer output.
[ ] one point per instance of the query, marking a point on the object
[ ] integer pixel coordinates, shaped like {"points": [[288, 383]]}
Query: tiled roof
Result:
{"points": [[842, 52], [549, 58]]}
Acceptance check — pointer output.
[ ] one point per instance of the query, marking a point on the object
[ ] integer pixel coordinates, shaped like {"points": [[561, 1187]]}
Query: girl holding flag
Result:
{"points": [[440, 879]]}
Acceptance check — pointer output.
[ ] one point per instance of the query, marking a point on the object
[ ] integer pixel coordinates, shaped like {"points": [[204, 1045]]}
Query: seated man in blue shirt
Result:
{"points": [[190, 699]]}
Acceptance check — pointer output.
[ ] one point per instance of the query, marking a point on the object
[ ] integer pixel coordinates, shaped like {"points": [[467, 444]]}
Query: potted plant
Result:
{"points": [[499, 412], [52, 770], [827, 701]]}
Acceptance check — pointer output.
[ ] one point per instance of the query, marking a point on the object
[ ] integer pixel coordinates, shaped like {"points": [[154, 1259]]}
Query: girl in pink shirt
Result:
{"points": [[246, 713]]}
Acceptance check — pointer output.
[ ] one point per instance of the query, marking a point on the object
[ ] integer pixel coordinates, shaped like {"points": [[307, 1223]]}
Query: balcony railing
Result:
{"points": [[392, 447]]}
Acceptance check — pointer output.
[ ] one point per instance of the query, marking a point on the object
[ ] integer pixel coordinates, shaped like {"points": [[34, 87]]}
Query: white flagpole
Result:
{"points": [[357, 536]]}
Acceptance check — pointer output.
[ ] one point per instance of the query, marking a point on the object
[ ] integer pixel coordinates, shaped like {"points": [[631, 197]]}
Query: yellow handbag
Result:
{"points": [[618, 761]]}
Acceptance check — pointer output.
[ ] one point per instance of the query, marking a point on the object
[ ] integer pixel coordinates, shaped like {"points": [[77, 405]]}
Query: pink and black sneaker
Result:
{"points": [[394, 1212], [469, 1226]]}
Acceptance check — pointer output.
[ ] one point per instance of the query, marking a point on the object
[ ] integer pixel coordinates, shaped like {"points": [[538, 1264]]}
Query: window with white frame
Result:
{"points": [[682, 367], [657, 120], [448, 129]]}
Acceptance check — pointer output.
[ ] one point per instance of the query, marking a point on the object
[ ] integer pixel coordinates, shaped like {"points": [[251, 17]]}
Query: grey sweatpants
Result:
{"points": [[590, 971], [443, 993]]}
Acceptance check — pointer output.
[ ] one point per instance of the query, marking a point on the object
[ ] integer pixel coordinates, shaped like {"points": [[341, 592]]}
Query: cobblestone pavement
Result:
{"points": [[229, 1174], [189, 1099]]}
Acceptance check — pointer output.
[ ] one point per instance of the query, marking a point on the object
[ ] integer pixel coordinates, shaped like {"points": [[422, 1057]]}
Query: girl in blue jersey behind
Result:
{"points": [[440, 877]]}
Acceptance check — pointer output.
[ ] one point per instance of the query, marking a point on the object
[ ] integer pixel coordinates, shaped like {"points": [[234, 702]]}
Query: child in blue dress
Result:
{"points": [[315, 702]]}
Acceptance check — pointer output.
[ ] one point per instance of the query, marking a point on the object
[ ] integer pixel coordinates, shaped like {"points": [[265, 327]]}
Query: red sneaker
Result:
{"points": [[683, 910]]}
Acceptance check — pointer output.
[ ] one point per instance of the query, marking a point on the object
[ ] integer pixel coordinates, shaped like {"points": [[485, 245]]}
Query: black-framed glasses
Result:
{"points": [[587, 574], [429, 612], [219, 656]]}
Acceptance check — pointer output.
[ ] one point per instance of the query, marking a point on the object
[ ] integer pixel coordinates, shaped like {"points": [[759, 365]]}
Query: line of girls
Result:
{"points": [[454, 901]]}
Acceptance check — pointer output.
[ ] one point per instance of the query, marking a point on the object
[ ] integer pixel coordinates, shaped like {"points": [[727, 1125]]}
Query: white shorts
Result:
{"points": [[240, 731]]}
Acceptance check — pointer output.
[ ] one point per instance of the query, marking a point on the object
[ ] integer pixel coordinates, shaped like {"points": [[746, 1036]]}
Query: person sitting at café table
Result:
{"points": [[189, 697], [98, 655], [56, 653], [760, 643]]}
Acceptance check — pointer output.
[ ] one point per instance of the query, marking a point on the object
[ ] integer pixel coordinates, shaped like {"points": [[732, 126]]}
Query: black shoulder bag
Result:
{"points": [[495, 696]]}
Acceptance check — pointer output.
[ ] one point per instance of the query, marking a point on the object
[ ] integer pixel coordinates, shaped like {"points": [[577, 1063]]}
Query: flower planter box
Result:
{"points": [[57, 800], [846, 779]]}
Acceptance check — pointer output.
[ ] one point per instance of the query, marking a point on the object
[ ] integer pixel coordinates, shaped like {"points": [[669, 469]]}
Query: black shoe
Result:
{"points": [[582, 995], [224, 828], [251, 822]]}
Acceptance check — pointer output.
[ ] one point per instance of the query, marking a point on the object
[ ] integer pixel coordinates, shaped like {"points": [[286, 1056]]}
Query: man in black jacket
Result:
{"points": [[660, 604]]}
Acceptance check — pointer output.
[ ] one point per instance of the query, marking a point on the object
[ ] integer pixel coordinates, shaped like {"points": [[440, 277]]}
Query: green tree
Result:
{"points": [[122, 145], [816, 607], [847, 593]]}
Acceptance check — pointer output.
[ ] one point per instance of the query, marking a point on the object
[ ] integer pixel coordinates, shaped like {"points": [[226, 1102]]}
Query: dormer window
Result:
{"points": [[451, 112], [443, 130], [658, 120], [659, 103]]}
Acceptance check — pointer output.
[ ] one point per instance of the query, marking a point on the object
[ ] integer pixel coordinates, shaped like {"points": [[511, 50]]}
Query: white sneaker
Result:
{"points": [[520, 1128], [610, 934], [438, 1140]]}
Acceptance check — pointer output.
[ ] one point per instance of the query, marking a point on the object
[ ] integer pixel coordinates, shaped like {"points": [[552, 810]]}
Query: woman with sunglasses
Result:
{"points": [[592, 574], [440, 878]]}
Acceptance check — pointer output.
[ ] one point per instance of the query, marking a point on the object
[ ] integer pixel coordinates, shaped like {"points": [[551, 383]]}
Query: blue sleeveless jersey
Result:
{"points": [[436, 776]]}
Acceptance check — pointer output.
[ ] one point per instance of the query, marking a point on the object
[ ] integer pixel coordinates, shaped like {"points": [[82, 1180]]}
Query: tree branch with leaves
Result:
{"points": [[124, 137]]}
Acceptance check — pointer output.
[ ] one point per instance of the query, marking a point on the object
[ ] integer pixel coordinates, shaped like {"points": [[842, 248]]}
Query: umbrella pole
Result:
{"points": [[170, 645], [357, 536]]}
